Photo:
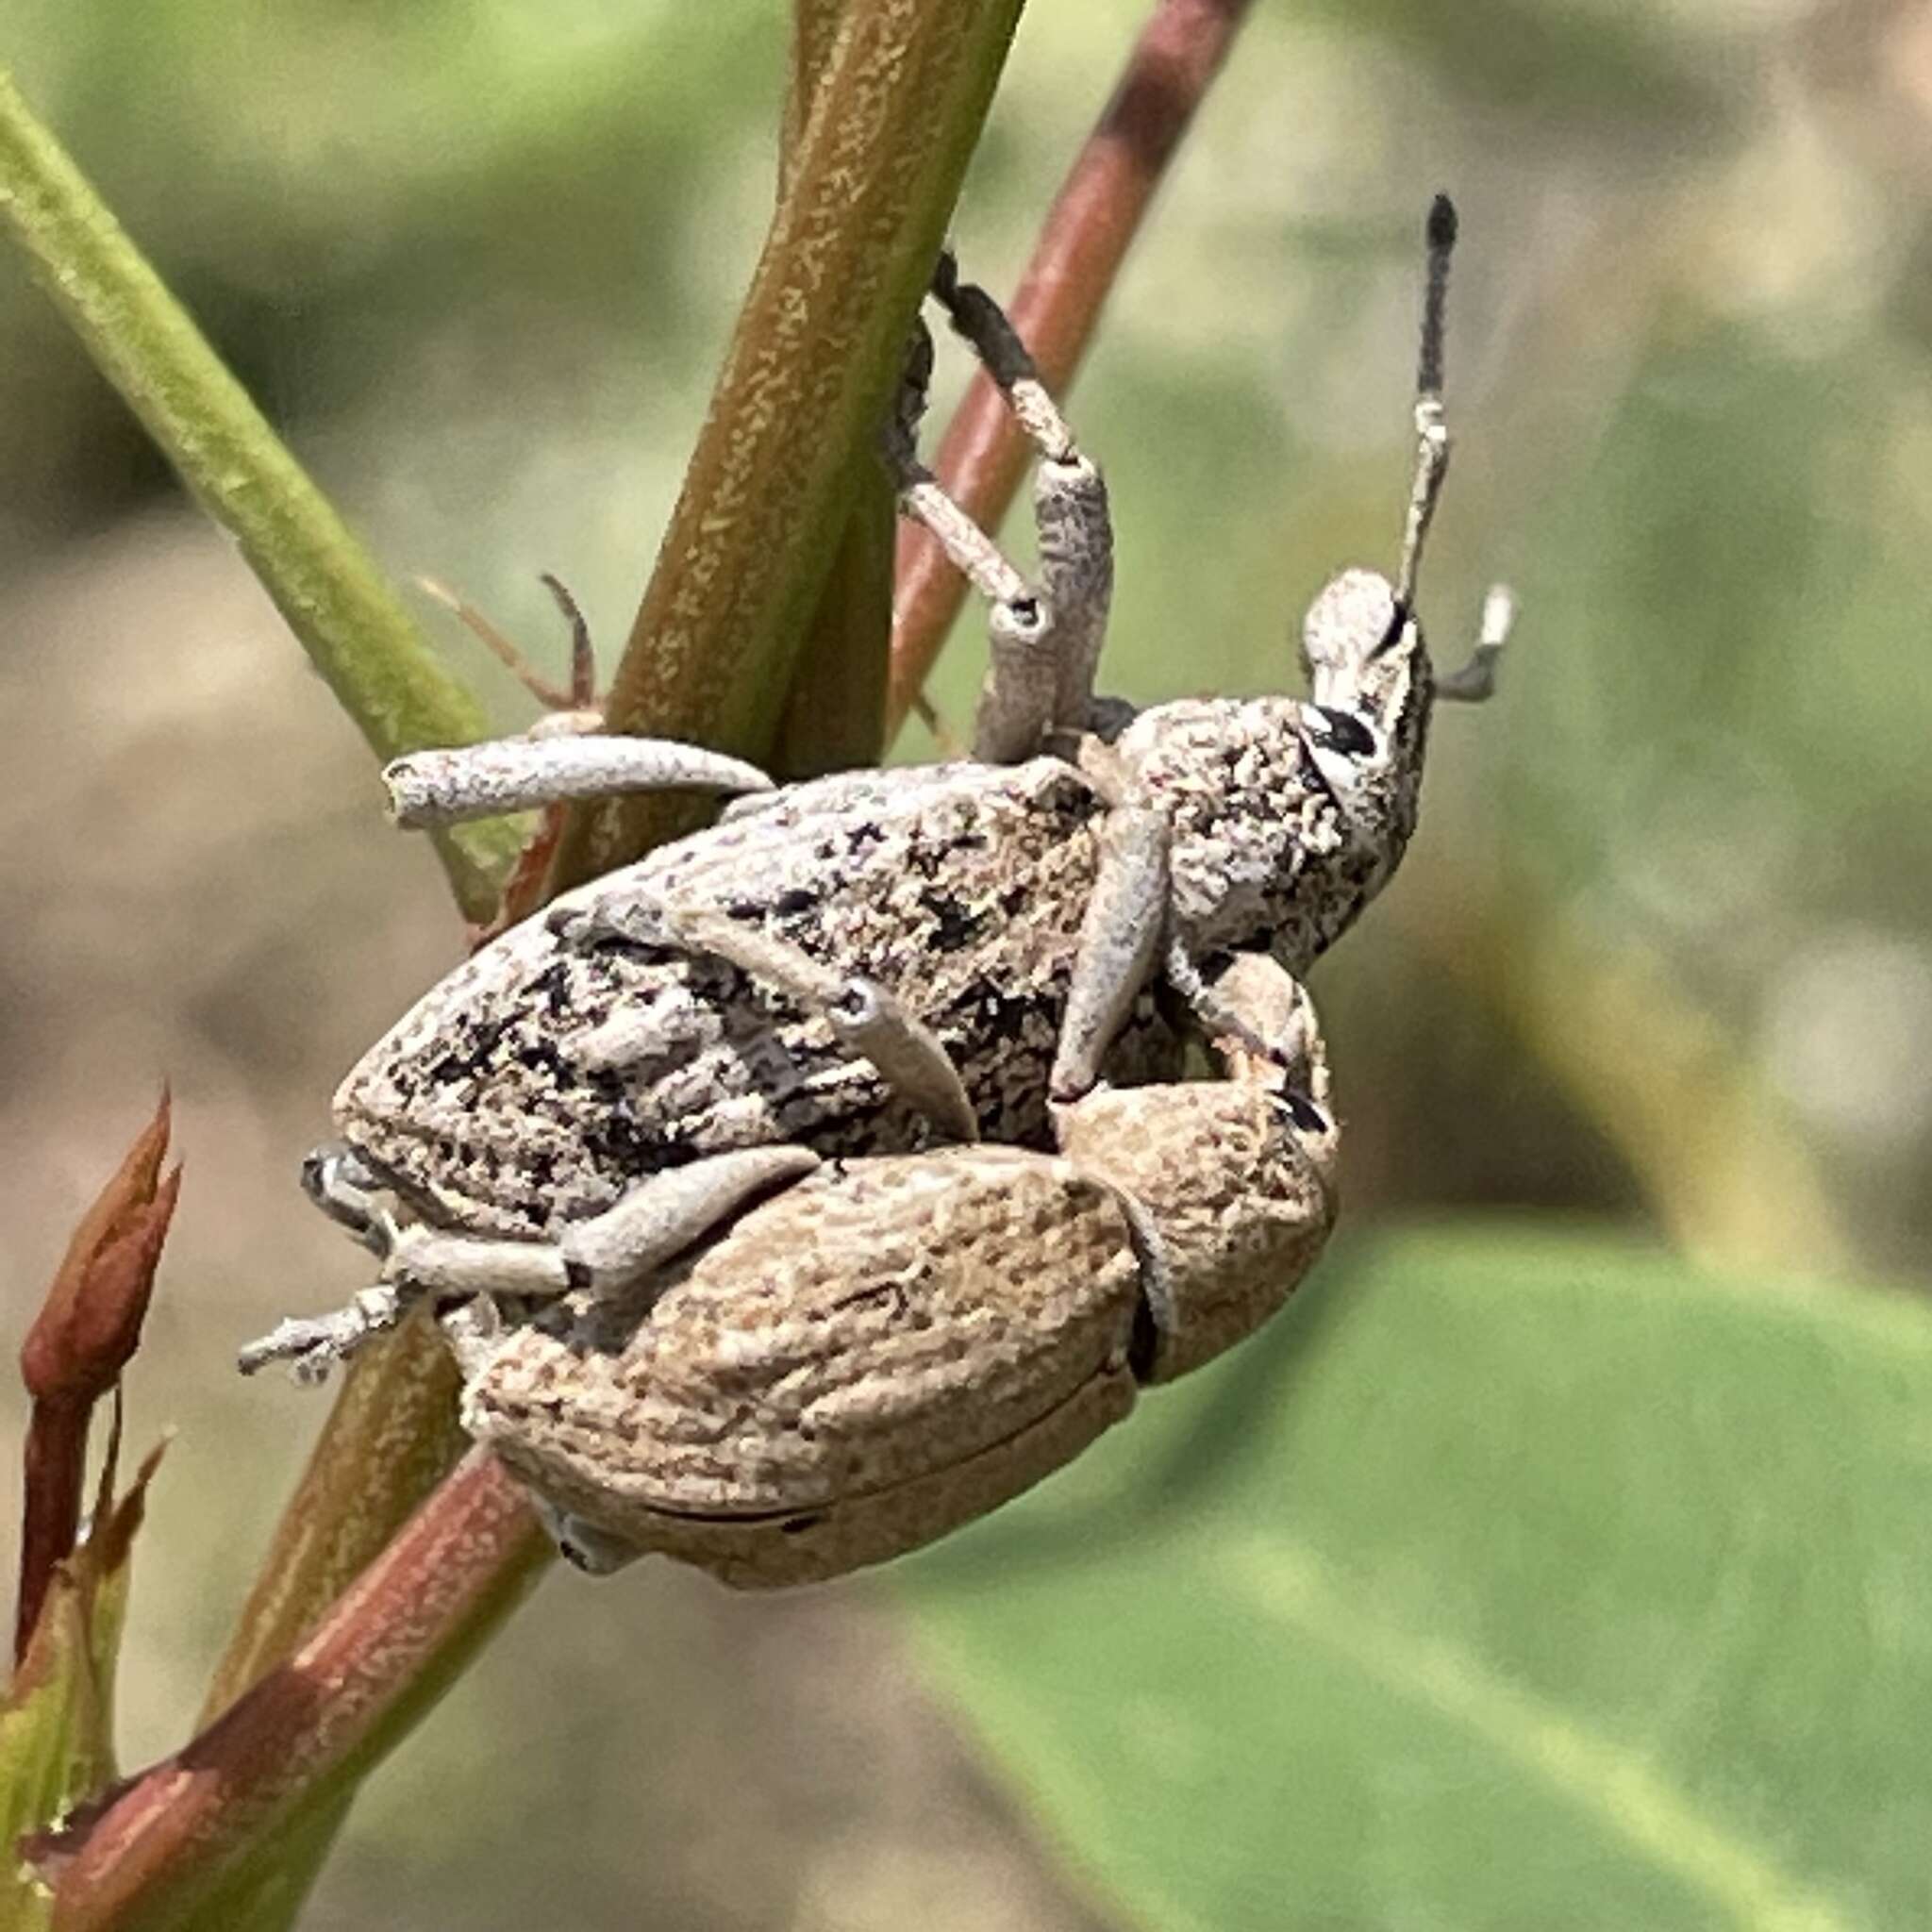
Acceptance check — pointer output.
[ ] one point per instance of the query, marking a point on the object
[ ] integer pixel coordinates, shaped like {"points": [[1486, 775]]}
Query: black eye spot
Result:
{"points": [[1347, 734], [1303, 1112]]}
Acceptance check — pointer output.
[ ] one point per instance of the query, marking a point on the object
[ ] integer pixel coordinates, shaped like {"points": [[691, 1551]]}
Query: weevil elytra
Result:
{"points": [[884, 961], [898, 1343]]}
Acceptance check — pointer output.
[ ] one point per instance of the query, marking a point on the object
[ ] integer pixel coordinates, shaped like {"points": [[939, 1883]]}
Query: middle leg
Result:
{"points": [[608, 1254]]}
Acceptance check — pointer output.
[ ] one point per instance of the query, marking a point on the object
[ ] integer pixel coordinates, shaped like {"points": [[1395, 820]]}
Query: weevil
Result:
{"points": [[880, 962], [897, 1345]]}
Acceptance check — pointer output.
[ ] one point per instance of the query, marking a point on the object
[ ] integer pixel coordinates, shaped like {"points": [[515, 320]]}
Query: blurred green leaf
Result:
{"points": [[1575, 61], [56, 1723], [1508, 1581]]}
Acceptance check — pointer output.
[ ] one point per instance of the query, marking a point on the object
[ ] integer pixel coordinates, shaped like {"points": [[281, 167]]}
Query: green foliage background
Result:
{"points": [[1519, 1578]]}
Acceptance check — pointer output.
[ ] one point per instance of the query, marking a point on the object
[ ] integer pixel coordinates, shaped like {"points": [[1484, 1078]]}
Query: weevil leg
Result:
{"points": [[1267, 1031], [657, 1219], [1070, 506], [1016, 707], [1229, 1185], [581, 1543], [1044, 646], [1213, 1013], [562, 758], [345, 1187], [312, 1344], [473, 781], [474, 1330], [867, 1020], [662, 1217], [1121, 937]]}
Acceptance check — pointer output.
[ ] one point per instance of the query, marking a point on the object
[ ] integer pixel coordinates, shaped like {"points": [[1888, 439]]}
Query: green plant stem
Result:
{"points": [[336, 601], [390, 1438], [835, 710], [805, 384]]}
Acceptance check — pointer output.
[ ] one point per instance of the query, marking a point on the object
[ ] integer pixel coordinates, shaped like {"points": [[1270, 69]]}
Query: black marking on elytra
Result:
{"points": [[472, 1058], [544, 1056], [954, 926]]}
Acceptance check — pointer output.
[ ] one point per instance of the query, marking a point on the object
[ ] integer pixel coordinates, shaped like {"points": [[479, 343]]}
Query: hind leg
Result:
{"points": [[658, 1220]]}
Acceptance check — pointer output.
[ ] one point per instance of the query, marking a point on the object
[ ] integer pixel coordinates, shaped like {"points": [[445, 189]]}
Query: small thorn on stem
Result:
{"points": [[552, 697], [583, 657]]}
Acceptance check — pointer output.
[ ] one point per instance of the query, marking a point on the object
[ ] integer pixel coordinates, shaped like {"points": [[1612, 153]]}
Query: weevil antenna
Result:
{"points": [[1476, 680], [1432, 432]]}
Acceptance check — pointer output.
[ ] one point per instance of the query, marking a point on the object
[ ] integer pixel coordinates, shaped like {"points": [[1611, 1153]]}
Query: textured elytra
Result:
{"points": [[875, 1324], [538, 1079]]}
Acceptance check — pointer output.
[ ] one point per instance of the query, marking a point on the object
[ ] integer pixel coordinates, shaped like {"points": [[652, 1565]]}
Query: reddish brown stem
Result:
{"points": [[52, 1467], [174, 1836], [1087, 231]]}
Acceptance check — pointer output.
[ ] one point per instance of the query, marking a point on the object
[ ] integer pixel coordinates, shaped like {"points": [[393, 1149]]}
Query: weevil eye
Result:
{"points": [[1303, 1112], [1347, 734]]}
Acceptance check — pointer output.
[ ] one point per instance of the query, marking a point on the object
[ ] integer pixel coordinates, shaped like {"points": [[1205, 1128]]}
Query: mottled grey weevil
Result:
{"points": [[883, 961]]}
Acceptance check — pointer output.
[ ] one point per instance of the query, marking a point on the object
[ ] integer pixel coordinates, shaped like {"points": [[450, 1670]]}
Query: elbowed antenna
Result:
{"points": [[1476, 680], [1432, 432]]}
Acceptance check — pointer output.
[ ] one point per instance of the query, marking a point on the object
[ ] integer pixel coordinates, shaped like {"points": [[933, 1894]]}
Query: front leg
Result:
{"points": [[1229, 1185], [478, 781], [1129, 930]]}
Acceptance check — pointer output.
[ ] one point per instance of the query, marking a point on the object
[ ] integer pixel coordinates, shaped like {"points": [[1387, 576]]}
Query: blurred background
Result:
{"points": [[1661, 956]]}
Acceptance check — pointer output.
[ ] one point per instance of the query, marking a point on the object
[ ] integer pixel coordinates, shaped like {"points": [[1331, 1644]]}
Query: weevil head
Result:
{"points": [[1370, 689]]}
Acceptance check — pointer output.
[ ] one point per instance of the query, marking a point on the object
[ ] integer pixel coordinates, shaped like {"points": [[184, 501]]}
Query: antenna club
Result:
{"points": [[1440, 229]]}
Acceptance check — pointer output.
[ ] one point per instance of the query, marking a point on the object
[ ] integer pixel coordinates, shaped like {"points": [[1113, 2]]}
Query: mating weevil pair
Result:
{"points": [[730, 1173]]}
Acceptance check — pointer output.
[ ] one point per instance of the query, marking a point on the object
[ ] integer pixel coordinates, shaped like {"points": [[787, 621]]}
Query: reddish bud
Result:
{"points": [[89, 1324], [88, 1328]]}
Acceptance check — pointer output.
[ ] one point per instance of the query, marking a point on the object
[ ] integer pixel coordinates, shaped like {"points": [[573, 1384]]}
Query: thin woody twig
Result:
{"points": [[1082, 245]]}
